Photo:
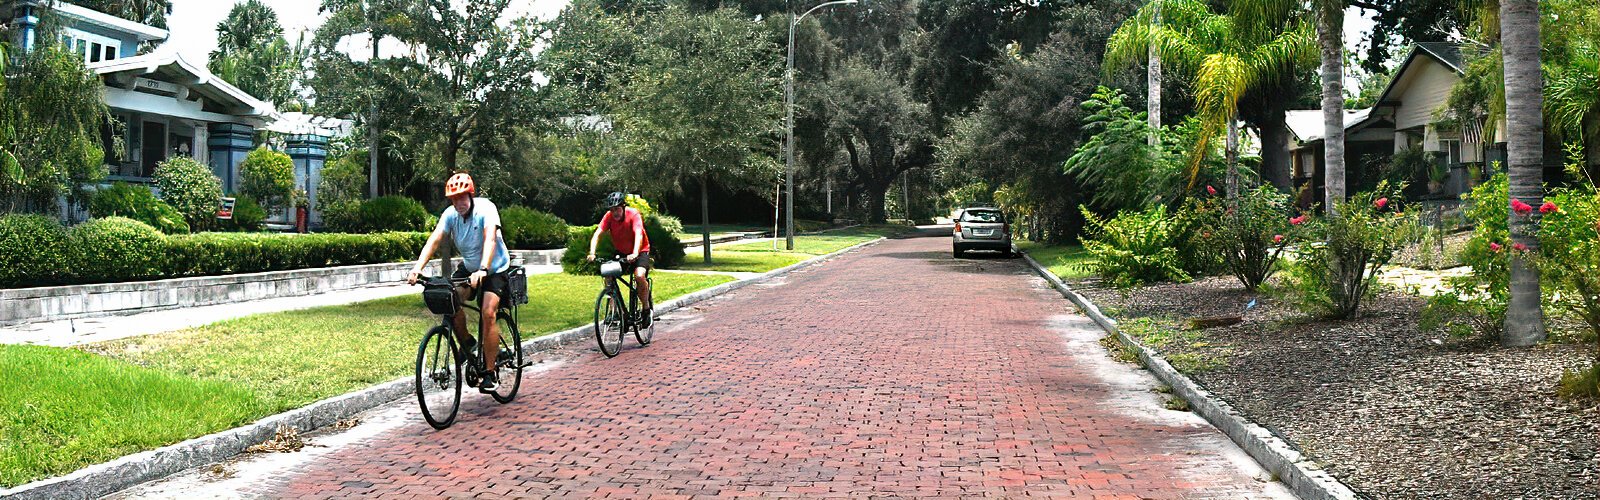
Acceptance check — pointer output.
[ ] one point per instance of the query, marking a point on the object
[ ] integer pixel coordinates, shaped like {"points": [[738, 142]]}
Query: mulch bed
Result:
{"points": [[1392, 411]]}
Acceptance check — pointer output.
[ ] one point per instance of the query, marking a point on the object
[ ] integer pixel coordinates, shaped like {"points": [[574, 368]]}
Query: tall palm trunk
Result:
{"points": [[1153, 82], [1231, 154], [1519, 38], [1330, 37], [705, 219]]}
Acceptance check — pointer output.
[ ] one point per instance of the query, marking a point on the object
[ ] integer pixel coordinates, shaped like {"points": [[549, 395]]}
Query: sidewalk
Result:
{"points": [[72, 332]]}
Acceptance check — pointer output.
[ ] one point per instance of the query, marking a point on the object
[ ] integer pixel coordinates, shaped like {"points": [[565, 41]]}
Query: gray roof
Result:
{"points": [[1446, 52]]}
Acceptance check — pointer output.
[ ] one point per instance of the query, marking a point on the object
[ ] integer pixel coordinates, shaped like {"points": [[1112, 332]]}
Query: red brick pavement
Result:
{"points": [[893, 371]]}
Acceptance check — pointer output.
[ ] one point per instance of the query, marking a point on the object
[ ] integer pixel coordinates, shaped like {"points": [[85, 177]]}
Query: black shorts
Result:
{"points": [[495, 282], [643, 261]]}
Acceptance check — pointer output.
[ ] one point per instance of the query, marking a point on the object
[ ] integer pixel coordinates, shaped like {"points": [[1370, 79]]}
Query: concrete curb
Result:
{"points": [[103, 479], [1304, 478]]}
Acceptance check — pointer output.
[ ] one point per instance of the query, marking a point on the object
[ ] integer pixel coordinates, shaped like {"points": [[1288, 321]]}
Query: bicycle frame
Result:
{"points": [[627, 280]]}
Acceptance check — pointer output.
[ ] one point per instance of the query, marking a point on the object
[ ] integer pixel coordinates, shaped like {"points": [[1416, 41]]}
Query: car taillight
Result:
{"points": [[1005, 227], [958, 226]]}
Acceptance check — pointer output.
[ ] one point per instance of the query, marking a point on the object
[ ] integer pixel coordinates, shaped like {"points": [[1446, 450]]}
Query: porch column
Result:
{"points": [[228, 144], [309, 153]]}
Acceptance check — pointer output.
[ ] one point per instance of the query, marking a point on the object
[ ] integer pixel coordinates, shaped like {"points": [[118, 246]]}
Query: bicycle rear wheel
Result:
{"points": [[438, 378], [508, 363], [610, 323]]}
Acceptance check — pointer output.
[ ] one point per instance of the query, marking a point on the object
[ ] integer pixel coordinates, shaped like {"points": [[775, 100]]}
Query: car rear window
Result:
{"points": [[982, 216]]}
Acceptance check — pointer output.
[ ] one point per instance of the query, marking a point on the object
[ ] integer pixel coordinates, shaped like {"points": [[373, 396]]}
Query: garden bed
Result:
{"points": [[1391, 411]]}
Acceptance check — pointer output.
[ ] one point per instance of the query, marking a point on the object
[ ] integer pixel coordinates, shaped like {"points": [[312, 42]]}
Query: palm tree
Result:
{"points": [[1524, 91], [1330, 38], [1572, 79], [1252, 48]]}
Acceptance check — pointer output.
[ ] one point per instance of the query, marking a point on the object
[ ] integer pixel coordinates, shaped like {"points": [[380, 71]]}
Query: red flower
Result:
{"points": [[1297, 220], [1495, 247], [1211, 190], [1547, 207], [1381, 202], [1277, 238], [1519, 246], [1521, 208]]}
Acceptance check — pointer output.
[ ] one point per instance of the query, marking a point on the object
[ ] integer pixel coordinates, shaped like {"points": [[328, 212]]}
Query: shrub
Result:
{"points": [[267, 176], [32, 250], [1134, 248], [137, 203], [247, 215], [1333, 276], [1476, 302], [191, 188], [665, 249], [1248, 233], [395, 213], [1568, 261], [115, 249], [339, 193], [528, 229], [673, 225]]}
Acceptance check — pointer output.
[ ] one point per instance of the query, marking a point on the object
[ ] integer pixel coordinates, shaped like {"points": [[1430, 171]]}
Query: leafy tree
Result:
{"points": [[884, 130], [253, 55], [1398, 23], [1251, 53], [50, 119], [966, 36], [701, 103], [468, 78]]}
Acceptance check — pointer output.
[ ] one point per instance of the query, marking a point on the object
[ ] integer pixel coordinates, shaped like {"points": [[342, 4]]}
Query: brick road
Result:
{"points": [[891, 371]]}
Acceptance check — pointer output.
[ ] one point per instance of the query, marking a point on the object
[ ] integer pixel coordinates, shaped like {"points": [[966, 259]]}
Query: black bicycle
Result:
{"points": [[614, 317], [441, 359]]}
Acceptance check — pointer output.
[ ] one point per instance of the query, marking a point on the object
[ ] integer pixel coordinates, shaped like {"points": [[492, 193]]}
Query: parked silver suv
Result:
{"points": [[981, 228]]}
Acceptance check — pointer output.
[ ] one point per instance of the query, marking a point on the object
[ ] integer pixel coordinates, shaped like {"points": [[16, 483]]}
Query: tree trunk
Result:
{"points": [[1152, 104], [1232, 156], [1519, 32], [1330, 36], [1275, 167], [876, 193], [705, 220]]}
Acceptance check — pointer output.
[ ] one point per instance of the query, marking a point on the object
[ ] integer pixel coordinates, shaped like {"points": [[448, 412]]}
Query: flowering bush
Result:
{"points": [[1476, 302], [1136, 248], [1568, 260], [1249, 232], [1334, 275]]}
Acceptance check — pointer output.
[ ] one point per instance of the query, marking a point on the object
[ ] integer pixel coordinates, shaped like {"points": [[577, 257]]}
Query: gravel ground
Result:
{"points": [[1391, 411]]}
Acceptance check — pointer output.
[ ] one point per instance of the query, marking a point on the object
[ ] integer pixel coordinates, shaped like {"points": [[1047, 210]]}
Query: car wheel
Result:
{"points": [[959, 252]]}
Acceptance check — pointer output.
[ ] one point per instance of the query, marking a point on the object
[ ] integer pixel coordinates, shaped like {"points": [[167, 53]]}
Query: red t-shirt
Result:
{"points": [[622, 231]]}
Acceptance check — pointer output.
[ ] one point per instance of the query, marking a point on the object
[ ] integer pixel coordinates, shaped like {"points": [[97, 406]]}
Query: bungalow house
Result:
{"points": [[164, 105], [1406, 117]]}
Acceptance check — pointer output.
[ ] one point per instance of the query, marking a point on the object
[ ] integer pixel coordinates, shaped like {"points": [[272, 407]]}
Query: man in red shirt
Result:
{"points": [[626, 226]]}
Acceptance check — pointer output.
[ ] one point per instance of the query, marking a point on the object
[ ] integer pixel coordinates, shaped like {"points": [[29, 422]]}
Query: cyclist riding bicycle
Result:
{"points": [[473, 225], [626, 226]]}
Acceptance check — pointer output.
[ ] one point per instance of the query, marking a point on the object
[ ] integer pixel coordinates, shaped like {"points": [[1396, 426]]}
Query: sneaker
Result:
{"points": [[469, 350], [649, 318], [489, 383]]}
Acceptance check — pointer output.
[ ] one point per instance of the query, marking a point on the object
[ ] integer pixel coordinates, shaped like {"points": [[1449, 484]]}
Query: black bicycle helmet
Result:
{"points": [[614, 200]]}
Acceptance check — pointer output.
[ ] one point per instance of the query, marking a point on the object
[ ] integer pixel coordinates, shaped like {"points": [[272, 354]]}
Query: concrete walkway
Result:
{"points": [[895, 371], [64, 333]]}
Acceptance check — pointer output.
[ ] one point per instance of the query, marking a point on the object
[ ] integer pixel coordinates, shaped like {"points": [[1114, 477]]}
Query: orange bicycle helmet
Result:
{"points": [[458, 184]]}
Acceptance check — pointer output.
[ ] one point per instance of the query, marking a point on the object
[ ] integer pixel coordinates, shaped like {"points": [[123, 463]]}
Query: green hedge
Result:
{"points": [[528, 229], [228, 253], [32, 250], [115, 249], [665, 249], [36, 251]]}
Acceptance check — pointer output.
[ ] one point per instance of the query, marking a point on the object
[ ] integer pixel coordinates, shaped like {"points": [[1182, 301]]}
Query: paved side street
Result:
{"points": [[894, 371]]}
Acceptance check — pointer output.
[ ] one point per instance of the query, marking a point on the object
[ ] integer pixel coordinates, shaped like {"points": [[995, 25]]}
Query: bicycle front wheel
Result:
{"points": [[610, 323], [508, 363], [438, 379]]}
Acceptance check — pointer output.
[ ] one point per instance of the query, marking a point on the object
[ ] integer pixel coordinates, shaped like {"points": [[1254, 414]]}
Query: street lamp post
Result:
{"points": [[788, 106]]}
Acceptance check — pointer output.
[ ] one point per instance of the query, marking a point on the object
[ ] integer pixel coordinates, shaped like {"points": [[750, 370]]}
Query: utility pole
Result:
{"points": [[788, 106]]}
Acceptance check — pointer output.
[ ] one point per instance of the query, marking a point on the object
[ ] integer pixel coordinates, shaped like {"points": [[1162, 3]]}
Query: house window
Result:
{"points": [[1452, 151], [92, 48]]}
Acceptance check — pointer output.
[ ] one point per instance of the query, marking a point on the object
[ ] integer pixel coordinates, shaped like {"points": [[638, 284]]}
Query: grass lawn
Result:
{"points": [[1062, 260], [65, 409], [691, 232], [77, 409], [759, 256]]}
